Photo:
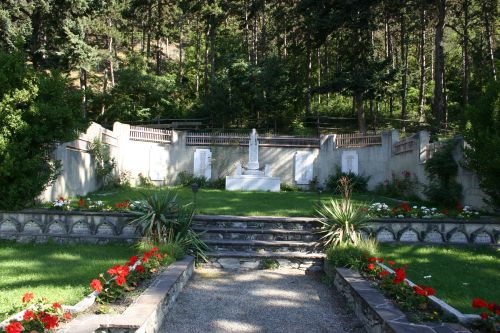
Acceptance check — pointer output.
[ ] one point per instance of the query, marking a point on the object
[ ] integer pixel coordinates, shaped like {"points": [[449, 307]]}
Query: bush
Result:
{"points": [[359, 183], [186, 179], [483, 136], [351, 255], [284, 187], [442, 170], [399, 187], [36, 110]]}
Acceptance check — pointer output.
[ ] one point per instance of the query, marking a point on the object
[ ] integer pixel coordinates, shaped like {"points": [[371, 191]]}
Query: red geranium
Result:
{"points": [[380, 259], [28, 297], [424, 291], [484, 316], [371, 267], [49, 321], [459, 207], [57, 306], [67, 315], [400, 275], [391, 263], [96, 285], [479, 303], [406, 207], [132, 260], [383, 274], [158, 256], [154, 249], [372, 259], [81, 202], [139, 268], [28, 315], [120, 280], [14, 327]]}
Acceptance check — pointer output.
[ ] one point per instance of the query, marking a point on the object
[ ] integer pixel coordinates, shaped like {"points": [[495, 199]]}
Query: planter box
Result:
{"points": [[376, 312]]}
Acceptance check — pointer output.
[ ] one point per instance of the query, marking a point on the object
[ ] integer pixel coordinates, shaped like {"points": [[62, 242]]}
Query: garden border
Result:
{"points": [[375, 311]]}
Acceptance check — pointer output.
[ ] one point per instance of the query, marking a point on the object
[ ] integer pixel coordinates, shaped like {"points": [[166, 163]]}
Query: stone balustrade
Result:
{"points": [[101, 227]]}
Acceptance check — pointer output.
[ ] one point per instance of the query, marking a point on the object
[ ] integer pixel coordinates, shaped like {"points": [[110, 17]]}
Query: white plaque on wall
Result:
{"points": [[203, 163], [303, 167], [350, 162], [157, 163]]}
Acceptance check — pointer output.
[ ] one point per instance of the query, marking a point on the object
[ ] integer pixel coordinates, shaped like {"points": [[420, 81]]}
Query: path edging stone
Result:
{"points": [[375, 311]]}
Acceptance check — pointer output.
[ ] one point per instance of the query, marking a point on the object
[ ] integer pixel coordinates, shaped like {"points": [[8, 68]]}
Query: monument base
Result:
{"points": [[253, 183]]}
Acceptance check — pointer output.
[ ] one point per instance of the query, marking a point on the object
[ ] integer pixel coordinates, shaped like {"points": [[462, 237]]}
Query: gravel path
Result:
{"points": [[281, 300]]}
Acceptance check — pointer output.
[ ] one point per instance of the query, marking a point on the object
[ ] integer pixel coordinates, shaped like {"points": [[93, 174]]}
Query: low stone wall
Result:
{"points": [[447, 231], [101, 227], [67, 227], [376, 312]]}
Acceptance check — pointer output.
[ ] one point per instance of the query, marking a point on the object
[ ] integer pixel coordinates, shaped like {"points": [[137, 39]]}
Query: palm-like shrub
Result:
{"points": [[163, 220], [341, 219]]}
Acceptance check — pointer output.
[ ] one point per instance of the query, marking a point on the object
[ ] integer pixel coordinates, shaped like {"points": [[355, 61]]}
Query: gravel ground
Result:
{"points": [[281, 300]]}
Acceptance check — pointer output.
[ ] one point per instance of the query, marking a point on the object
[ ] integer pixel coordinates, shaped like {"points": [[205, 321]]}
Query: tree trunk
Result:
{"points": [[181, 51], [438, 104], [465, 55], [205, 76], [308, 81], [421, 86], [110, 51], [83, 88], [489, 37], [404, 63], [149, 19], [358, 104], [319, 73], [158, 37]]}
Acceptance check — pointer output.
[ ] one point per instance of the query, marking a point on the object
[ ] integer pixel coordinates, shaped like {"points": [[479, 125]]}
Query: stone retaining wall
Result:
{"points": [[101, 227]]}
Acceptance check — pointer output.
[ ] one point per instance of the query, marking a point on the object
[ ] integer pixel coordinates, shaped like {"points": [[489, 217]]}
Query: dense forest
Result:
{"points": [[287, 66]]}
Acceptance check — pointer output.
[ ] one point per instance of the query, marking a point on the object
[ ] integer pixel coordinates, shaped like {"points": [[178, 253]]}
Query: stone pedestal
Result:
{"points": [[252, 183]]}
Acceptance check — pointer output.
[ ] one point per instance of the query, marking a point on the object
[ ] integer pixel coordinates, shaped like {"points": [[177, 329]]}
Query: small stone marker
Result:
{"points": [[458, 237], [385, 236], [105, 229], [350, 162], [57, 228], [81, 228], [482, 238], [8, 226], [303, 167], [32, 228], [238, 169], [433, 237], [203, 163], [408, 236]]}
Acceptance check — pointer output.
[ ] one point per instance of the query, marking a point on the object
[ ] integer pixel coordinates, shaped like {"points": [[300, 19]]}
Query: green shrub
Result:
{"points": [[104, 163], [351, 255], [186, 179], [399, 187], [442, 170], [483, 136], [359, 183], [217, 184], [285, 187]]}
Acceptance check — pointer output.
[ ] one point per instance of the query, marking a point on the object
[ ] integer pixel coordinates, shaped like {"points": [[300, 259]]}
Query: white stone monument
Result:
{"points": [[350, 162], [203, 163], [252, 178], [303, 167]]}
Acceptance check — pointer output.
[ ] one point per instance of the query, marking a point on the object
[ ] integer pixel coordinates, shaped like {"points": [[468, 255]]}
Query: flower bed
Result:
{"points": [[405, 210], [39, 316]]}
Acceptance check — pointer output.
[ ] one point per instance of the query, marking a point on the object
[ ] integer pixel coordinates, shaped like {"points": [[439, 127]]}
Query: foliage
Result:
{"points": [[104, 163], [404, 209], [40, 316], [186, 179], [145, 181], [285, 187], [351, 255], [36, 111], [270, 264], [400, 187], [341, 219], [483, 136], [490, 317], [358, 183], [163, 220], [442, 170]]}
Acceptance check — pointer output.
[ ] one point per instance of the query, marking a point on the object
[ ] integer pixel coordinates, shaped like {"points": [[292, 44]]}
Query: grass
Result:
{"points": [[58, 272], [458, 274], [220, 202]]}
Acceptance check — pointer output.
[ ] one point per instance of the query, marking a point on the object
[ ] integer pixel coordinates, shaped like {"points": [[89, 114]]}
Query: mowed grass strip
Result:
{"points": [[59, 272], [458, 274], [220, 202]]}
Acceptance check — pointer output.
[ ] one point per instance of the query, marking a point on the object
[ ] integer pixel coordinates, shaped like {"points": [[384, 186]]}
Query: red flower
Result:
{"points": [[479, 303], [154, 249], [67, 315], [120, 280], [158, 256], [61, 198], [132, 260], [492, 307], [406, 207], [118, 205], [445, 211], [383, 274], [14, 327], [57, 306], [81, 202], [28, 315], [49, 321], [96, 285], [139, 268], [459, 207], [380, 259], [371, 267], [119, 270], [146, 257], [28, 297], [372, 259], [484, 316], [391, 263], [424, 291], [400, 275]]}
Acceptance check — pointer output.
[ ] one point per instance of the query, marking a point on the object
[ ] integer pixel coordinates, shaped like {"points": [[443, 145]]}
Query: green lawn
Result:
{"points": [[59, 272], [458, 274], [220, 202]]}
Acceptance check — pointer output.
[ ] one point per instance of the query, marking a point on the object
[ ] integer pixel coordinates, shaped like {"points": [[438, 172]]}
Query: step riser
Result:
{"points": [[253, 248], [256, 225], [258, 236], [258, 263]]}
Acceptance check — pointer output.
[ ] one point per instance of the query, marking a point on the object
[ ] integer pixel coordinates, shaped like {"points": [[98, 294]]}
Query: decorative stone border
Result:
{"points": [[376, 312], [102, 227], [146, 313]]}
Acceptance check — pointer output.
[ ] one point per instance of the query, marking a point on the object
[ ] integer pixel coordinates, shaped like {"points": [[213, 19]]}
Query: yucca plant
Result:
{"points": [[341, 219], [163, 220]]}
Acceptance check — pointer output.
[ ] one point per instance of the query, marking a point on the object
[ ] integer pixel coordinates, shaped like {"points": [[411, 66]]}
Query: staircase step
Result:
{"points": [[265, 255], [252, 231], [255, 245], [256, 222], [256, 234]]}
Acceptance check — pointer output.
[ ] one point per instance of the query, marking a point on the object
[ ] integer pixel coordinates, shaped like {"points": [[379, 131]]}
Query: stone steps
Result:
{"points": [[256, 234], [256, 242]]}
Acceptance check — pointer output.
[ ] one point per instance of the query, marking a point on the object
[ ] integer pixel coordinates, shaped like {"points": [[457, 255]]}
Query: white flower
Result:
{"points": [[427, 276], [401, 216], [415, 207]]}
